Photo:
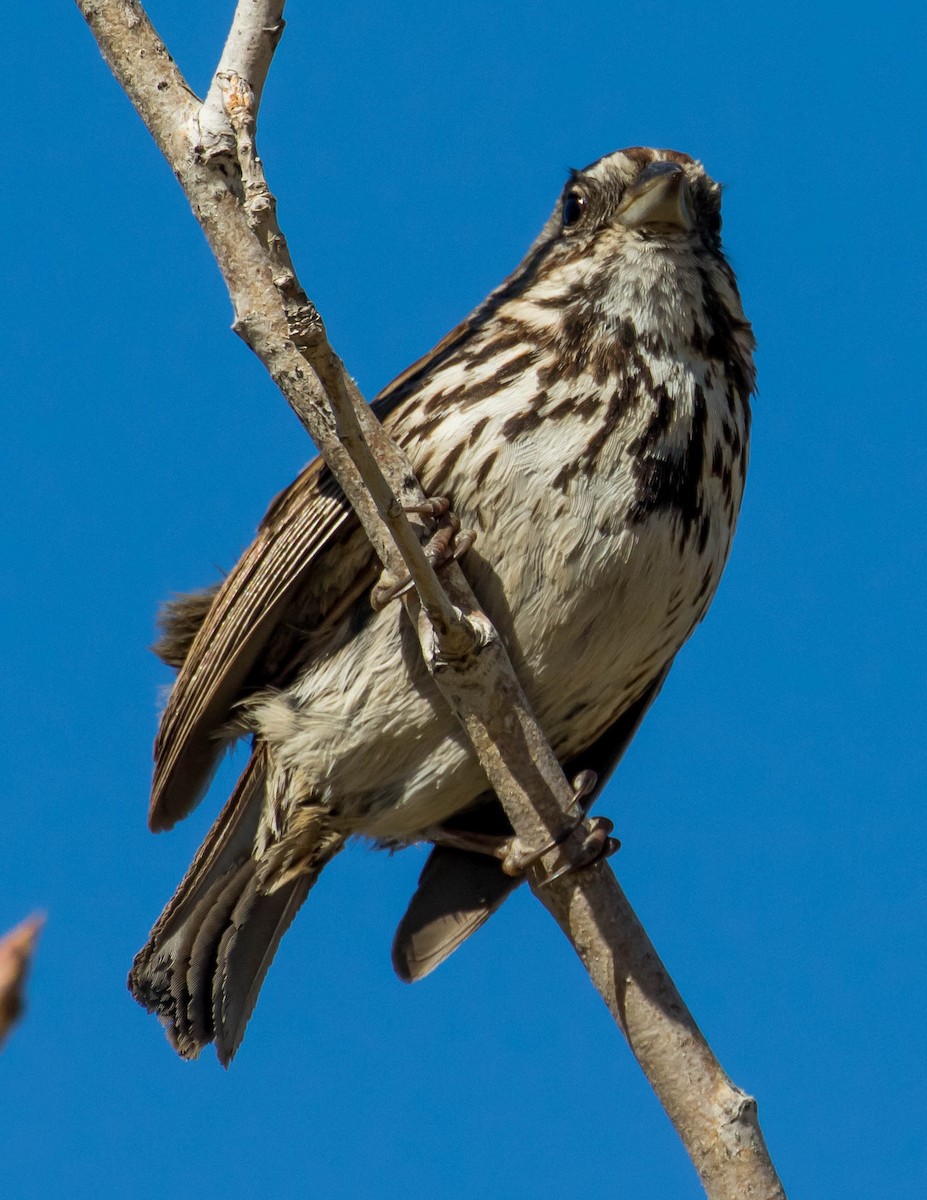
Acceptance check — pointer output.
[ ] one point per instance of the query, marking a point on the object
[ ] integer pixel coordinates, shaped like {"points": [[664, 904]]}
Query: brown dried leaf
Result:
{"points": [[16, 950]]}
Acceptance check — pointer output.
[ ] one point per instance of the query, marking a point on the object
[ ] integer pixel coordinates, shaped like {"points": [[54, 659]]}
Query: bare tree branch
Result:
{"points": [[16, 950], [228, 194], [249, 49]]}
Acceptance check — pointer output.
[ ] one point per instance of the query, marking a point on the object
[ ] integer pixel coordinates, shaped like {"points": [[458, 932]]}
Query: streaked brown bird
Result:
{"points": [[590, 421]]}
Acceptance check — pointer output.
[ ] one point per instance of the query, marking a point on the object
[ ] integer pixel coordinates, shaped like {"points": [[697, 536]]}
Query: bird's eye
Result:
{"points": [[573, 204]]}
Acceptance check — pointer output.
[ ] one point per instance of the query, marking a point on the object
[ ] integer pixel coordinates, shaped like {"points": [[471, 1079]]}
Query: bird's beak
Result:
{"points": [[659, 196]]}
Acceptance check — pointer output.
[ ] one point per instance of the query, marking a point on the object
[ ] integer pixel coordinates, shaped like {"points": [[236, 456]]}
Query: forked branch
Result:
{"points": [[211, 148]]}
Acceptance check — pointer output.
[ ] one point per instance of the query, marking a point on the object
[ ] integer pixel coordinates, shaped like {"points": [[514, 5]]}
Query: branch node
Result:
{"points": [[456, 637]]}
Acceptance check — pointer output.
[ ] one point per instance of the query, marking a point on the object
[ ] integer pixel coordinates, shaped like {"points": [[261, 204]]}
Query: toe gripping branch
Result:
{"points": [[447, 544], [597, 842], [516, 858]]}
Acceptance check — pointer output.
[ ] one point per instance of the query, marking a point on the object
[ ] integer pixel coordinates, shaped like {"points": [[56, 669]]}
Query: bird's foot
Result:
{"points": [[516, 858], [447, 544], [597, 841]]}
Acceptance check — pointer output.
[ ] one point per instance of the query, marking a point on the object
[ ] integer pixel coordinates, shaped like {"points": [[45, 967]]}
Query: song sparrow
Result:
{"points": [[590, 421]]}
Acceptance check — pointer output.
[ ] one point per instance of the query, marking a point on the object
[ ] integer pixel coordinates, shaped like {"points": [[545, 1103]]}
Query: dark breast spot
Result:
{"points": [[567, 472], [501, 340], [485, 467], [569, 407], [521, 422], [658, 426], [477, 430], [670, 482], [705, 585], [514, 367]]}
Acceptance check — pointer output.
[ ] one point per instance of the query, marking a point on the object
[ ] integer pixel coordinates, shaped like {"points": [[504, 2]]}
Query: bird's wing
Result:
{"points": [[302, 522], [242, 618], [224, 660]]}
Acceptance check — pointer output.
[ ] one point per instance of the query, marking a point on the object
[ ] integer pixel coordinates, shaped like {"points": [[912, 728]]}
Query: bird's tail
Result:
{"points": [[206, 958], [458, 891]]}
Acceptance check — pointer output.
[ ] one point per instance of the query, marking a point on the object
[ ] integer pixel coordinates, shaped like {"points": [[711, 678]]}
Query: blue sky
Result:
{"points": [[771, 807]]}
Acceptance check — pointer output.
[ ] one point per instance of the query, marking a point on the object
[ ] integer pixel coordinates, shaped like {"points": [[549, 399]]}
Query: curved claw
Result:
{"points": [[434, 506], [383, 593], [518, 859], [596, 845], [584, 784]]}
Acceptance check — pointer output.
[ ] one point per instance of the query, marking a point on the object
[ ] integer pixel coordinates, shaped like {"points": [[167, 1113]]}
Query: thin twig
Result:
{"points": [[716, 1121], [248, 52], [456, 636]]}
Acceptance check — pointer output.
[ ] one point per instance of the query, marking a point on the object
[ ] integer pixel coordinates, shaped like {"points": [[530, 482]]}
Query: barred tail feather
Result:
{"points": [[203, 965], [249, 943]]}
